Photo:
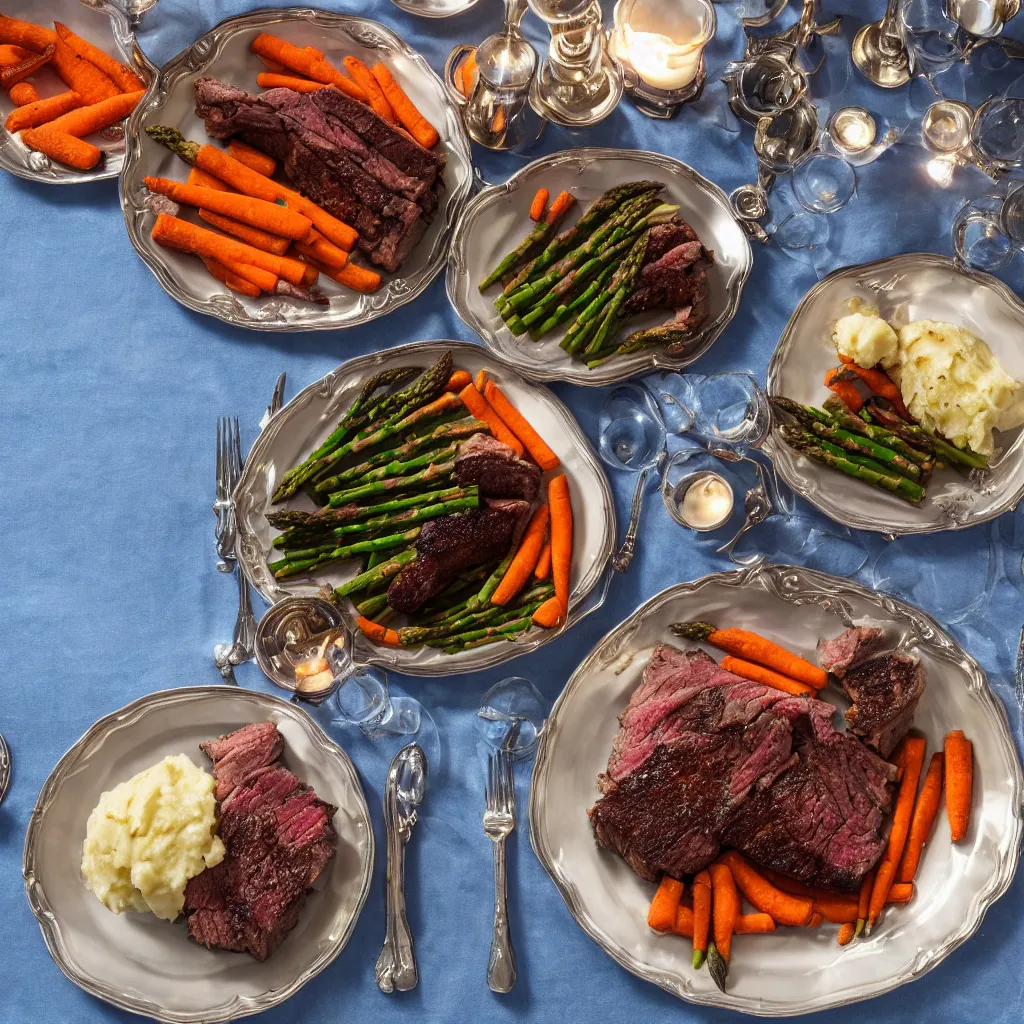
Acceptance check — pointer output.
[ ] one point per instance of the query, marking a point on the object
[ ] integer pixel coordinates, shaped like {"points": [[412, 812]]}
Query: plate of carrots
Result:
{"points": [[222, 225], [951, 838], [69, 77], [389, 484]]}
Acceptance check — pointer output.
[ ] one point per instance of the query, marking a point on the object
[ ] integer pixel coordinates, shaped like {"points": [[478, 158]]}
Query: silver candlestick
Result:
{"points": [[879, 53]]}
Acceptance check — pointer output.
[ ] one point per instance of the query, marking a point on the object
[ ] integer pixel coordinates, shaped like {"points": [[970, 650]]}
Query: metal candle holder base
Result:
{"points": [[880, 56], [662, 104]]}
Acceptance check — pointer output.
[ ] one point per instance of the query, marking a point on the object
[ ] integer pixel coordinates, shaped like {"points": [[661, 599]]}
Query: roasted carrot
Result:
{"points": [[864, 900], [701, 916], [362, 76], [120, 74], [837, 909], [754, 924], [760, 674], [81, 75], [539, 204], [725, 907], [84, 121], [525, 560], [259, 162], [559, 207], [359, 279], [257, 213], [11, 54], [880, 383], [684, 921], [925, 809], [561, 538], [269, 80], [913, 758], [662, 915], [750, 647], [201, 178], [60, 146], [12, 74], [32, 115], [319, 248], [179, 234], [959, 755], [23, 93], [543, 568], [844, 390], [245, 233], [415, 123], [549, 614], [901, 892], [481, 409], [518, 424], [846, 933], [783, 907], [265, 280], [306, 63], [371, 629], [25, 34], [480, 380], [271, 65], [458, 380], [816, 920], [232, 280]]}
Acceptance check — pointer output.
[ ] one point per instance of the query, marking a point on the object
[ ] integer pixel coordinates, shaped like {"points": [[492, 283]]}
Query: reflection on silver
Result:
{"points": [[5, 768], [879, 52]]}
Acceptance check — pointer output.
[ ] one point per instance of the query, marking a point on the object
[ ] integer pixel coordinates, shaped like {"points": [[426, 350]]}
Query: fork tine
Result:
{"points": [[220, 459], [238, 453], [509, 802], [490, 791]]}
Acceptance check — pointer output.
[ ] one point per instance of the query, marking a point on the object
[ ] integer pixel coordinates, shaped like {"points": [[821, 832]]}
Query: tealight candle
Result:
{"points": [[852, 129], [707, 502]]}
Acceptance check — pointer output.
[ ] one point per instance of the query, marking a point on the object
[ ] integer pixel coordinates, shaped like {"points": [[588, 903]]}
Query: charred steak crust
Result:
{"points": [[852, 645], [494, 468], [885, 691], [705, 759]]}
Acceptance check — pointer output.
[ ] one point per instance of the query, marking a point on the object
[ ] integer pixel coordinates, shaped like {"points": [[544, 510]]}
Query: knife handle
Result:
{"points": [[501, 965]]}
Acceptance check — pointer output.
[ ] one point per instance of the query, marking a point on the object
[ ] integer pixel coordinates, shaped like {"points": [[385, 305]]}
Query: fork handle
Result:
{"points": [[501, 965]]}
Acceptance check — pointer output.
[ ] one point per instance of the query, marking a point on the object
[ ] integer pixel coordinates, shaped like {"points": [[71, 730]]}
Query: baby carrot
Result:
{"points": [[754, 924], [268, 80], [561, 538], [12, 74], [559, 207], [662, 915], [25, 34], [701, 916], [198, 177], [306, 63], [32, 115], [901, 892], [415, 123], [232, 280], [846, 933], [259, 162], [319, 248], [480, 380], [60, 146], [362, 77], [959, 783], [373, 630], [458, 380], [783, 907], [539, 204], [257, 213], [725, 908], [845, 390], [522, 565], [179, 234], [864, 900], [684, 921], [11, 54], [879, 382], [925, 809], [84, 121], [543, 569], [120, 74], [815, 921], [81, 75], [837, 909], [265, 280], [481, 409], [760, 674], [749, 646], [549, 614], [23, 93], [518, 424], [359, 279], [245, 233]]}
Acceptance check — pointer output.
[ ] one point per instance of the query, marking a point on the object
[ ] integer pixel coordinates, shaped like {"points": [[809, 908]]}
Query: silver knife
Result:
{"points": [[276, 401]]}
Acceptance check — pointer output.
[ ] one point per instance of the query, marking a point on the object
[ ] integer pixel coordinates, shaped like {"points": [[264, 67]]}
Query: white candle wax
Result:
{"points": [[660, 62], [707, 502]]}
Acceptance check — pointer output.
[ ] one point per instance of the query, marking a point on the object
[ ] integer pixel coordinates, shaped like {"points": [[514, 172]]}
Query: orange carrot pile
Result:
{"points": [[307, 63], [122, 76], [81, 75], [517, 423], [458, 380], [259, 162], [33, 115], [246, 233], [783, 907], [760, 674], [959, 771], [482, 410], [525, 561], [925, 810], [415, 123], [539, 204], [363, 77]]}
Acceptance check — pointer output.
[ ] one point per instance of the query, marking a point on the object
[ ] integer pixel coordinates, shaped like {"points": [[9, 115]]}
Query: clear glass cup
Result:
{"points": [[933, 39], [802, 234], [1011, 216], [997, 132], [513, 700], [823, 183], [631, 433], [980, 240], [730, 408], [362, 698]]}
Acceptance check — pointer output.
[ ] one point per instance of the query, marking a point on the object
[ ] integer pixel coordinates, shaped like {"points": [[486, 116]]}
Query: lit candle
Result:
{"points": [[707, 502], [660, 62], [853, 129]]}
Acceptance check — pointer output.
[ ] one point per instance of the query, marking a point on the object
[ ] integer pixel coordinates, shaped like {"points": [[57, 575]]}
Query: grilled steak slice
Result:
{"points": [[445, 547], [667, 236], [885, 691], [852, 645], [494, 468], [278, 838], [705, 759]]}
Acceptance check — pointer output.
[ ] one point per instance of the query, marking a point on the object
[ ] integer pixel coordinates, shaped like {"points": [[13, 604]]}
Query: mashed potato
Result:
{"points": [[148, 836], [867, 339]]}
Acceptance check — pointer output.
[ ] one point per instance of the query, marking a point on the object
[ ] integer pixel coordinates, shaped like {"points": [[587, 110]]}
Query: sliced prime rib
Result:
{"points": [[494, 468], [450, 544], [852, 645], [278, 838], [705, 759], [884, 690]]}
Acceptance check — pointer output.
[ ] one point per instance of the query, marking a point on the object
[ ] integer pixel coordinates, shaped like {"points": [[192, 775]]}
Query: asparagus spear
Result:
{"points": [[600, 210], [864, 446], [515, 259], [435, 471], [452, 600], [620, 285], [479, 599], [384, 571], [670, 338], [522, 626], [331, 484], [793, 435], [492, 615], [837, 409], [500, 632], [917, 435], [285, 568], [372, 605], [563, 312]]}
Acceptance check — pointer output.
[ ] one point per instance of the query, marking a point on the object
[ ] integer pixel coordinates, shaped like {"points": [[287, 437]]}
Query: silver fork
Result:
{"points": [[499, 821], [223, 506]]}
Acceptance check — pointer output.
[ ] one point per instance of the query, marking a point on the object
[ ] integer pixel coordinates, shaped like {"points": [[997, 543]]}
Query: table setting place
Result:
{"points": [[430, 302]]}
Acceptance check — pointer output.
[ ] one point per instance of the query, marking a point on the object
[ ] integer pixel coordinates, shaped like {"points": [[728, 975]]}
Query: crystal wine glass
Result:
{"points": [[980, 240], [823, 183], [997, 133], [632, 438], [933, 39], [511, 701]]}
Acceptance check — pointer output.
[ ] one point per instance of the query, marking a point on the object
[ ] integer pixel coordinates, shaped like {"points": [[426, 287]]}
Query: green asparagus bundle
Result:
{"points": [[841, 415], [383, 571], [916, 435]]}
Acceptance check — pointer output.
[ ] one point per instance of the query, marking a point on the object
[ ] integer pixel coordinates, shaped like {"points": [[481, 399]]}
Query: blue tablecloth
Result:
{"points": [[110, 393]]}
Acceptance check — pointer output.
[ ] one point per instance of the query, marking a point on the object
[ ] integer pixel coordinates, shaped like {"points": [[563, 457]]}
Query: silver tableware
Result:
{"points": [[879, 52], [5, 768], [499, 821], [228, 440], [289, 632], [277, 399], [403, 793]]}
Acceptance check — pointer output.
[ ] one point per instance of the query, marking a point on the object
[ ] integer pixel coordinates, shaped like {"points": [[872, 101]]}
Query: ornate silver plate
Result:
{"points": [[908, 287], [148, 966], [792, 971], [309, 417], [224, 53], [498, 219], [103, 23]]}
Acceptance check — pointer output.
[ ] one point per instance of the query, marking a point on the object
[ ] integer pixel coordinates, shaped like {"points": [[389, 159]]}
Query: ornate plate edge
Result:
{"points": [[825, 590], [69, 763]]}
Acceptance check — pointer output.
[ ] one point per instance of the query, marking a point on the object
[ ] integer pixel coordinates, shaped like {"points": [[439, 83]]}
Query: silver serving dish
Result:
{"points": [[794, 971], [224, 53], [312, 414], [906, 287], [107, 25], [498, 219], [151, 967]]}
